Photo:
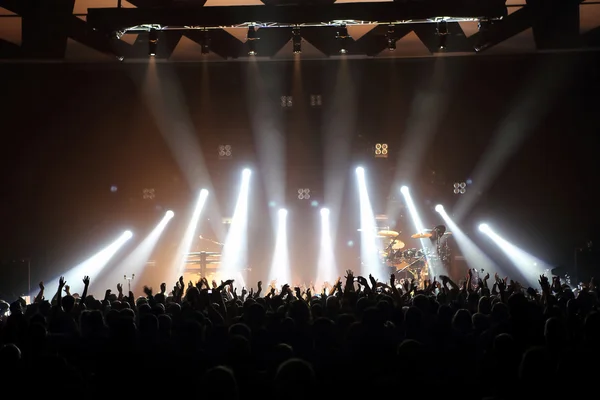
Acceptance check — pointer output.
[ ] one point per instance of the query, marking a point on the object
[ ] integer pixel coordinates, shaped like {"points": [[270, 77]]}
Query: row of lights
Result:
{"points": [[341, 35]]}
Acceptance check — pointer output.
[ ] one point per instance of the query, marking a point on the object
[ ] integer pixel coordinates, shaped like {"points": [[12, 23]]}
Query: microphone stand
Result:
{"points": [[129, 279]]}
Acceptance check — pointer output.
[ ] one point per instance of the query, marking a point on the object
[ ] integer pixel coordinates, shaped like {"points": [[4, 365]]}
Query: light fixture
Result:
{"points": [[483, 41], [296, 41], [205, 43], [148, 194], [460, 188], [342, 36], [391, 38], [287, 101], [225, 151], [251, 38], [381, 150], [152, 42], [442, 32], [316, 100], [303, 194]]}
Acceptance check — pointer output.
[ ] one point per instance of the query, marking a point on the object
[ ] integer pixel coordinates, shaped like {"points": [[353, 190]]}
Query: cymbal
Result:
{"points": [[391, 234], [421, 235], [398, 244]]}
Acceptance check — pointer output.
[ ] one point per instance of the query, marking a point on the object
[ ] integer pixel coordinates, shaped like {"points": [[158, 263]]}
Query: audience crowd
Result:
{"points": [[478, 338]]}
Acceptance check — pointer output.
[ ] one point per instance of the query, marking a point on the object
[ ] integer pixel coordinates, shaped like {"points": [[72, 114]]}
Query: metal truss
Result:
{"points": [[45, 30]]}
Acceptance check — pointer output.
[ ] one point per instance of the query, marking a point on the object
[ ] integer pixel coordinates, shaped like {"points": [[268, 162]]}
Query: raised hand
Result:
{"points": [[259, 285], [61, 282], [214, 284], [163, 287], [67, 288], [86, 280], [362, 280], [148, 291], [487, 276], [392, 280], [244, 291], [41, 285], [120, 287]]}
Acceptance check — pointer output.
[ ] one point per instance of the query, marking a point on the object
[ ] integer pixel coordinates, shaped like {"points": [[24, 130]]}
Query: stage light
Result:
{"points": [[225, 151], [280, 264], [287, 101], [95, 264], [528, 265], [282, 212], [342, 36], [169, 214], [152, 42], [369, 247], [205, 43], [404, 190], [316, 100], [251, 38], [391, 38], [326, 262], [439, 208], [296, 41], [460, 187], [442, 32], [381, 150], [304, 194], [234, 256], [148, 194]]}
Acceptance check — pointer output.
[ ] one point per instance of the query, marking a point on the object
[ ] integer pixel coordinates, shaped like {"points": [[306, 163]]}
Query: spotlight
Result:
{"points": [[360, 171], [304, 194], [442, 32], [152, 42], [205, 43], [342, 36], [127, 234], [324, 212], [404, 189], [296, 41], [391, 38], [204, 192], [169, 214], [460, 187], [246, 172], [381, 150], [484, 227], [282, 212], [439, 208], [225, 151], [250, 39]]}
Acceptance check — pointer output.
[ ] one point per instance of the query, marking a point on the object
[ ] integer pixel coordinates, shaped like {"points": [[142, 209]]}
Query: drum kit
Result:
{"points": [[413, 263]]}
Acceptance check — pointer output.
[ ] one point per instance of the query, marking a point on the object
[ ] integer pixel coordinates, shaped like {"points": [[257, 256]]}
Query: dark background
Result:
{"points": [[70, 132]]}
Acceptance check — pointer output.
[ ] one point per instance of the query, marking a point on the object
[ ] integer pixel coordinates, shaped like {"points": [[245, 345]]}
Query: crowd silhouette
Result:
{"points": [[477, 338]]}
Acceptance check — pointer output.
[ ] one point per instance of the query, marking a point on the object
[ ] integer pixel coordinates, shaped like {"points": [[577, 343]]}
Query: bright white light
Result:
{"points": [[190, 233], [280, 265], [439, 208], [528, 265], [326, 265], [428, 247], [360, 171], [235, 251], [135, 262], [93, 265], [473, 255], [369, 249]]}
